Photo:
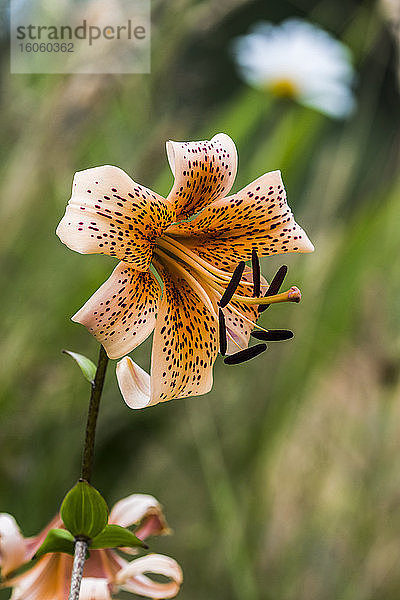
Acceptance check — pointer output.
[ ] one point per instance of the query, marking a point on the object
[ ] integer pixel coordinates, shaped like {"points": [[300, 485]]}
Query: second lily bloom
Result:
{"points": [[106, 571]]}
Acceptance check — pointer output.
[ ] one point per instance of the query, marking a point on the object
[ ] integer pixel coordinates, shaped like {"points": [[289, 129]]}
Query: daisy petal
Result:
{"points": [[94, 588], [204, 171], [108, 213], [140, 509], [258, 217], [12, 544], [185, 342], [121, 314], [298, 60], [133, 578]]}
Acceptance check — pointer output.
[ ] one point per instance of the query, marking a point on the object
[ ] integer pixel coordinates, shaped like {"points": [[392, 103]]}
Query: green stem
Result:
{"points": [[94, 403], [87, 466]]}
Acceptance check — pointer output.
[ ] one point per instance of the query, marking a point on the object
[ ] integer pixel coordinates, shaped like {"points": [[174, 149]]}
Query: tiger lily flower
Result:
{"points": [[192, 241], [105, 571]]}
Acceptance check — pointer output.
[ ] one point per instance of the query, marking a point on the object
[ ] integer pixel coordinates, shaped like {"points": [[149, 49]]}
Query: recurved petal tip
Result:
{"points": [[12, 544], [142, 510], [134, 577], [94, 588], [134, 383], [203, 170]]}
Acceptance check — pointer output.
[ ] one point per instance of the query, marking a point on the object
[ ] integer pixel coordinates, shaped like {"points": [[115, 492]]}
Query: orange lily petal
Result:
{"points": [[12, 545], [140, 509], [184, 343], [256, 217], [121, 314], [184, 346], [132, 578], [108, 213], [204, 171]]}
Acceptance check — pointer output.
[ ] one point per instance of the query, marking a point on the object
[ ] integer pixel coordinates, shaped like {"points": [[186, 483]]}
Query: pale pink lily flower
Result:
{"points": [[105, 571], [193, 240]]}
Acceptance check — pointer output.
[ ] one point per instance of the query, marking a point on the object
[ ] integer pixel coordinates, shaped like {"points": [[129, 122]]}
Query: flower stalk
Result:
{"points": [[93, 412], [81, 546]]}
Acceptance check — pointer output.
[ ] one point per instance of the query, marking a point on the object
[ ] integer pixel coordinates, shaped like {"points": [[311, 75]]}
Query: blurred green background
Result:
{"points": [[284, 482]]}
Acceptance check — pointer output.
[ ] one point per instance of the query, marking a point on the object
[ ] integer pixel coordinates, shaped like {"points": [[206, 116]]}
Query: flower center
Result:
{"points": [[283, 88], [193, 267]]}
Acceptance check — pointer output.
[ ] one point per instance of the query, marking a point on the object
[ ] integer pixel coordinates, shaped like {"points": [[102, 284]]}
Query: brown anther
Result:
{"points": [[273, 335], [222, 332], [244, 355], [274, 286], [255, 264], [232, 285]]}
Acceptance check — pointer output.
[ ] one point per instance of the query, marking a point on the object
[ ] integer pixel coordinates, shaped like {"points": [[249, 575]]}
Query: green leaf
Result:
{"points": [[115, 536], [87, 367], [84, 511], [57, 540]]}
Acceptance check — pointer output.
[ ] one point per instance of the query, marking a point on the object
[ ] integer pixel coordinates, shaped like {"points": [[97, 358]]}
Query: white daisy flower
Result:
{"points": [[299, 60]]}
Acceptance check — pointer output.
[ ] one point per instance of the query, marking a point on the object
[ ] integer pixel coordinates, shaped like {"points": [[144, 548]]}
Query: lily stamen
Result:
{"points": [[273, 335], [222, 333], [207, 278], [195, 257], [197, 262], [211, 274], [233, 285], [225, 294], [292, 295], [188, 277], [255, 264], [186, 258], [233, 309], [239, 270], [245, 355], [275, 285]]}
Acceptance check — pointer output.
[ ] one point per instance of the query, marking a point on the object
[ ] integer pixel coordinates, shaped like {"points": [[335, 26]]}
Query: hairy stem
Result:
{"points": [[94, 403], [77, 569]]}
